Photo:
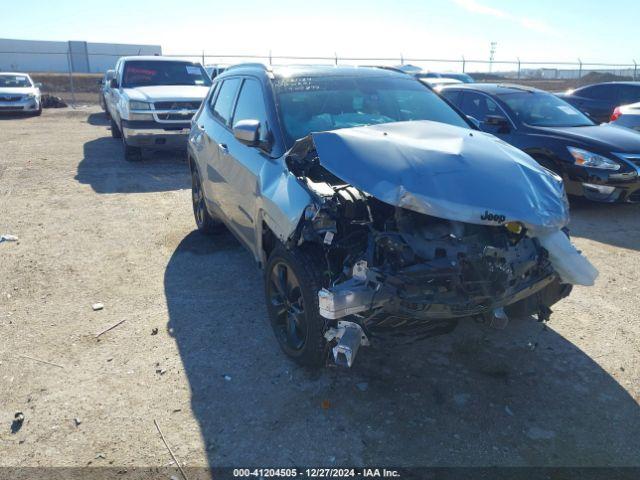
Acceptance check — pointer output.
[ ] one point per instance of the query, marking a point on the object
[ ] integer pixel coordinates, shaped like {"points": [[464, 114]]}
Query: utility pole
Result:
{"points": [[492, 54]]}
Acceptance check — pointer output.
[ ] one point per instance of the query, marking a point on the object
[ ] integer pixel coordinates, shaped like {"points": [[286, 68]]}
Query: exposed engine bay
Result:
{"points": [[429, 230], [393, 270]]}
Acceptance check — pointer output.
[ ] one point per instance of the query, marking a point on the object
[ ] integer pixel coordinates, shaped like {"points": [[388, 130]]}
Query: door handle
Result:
{"points": [[223, 148]]}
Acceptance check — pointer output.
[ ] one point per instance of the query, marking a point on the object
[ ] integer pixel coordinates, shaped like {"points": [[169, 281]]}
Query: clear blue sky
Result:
{"points": [[594, 30]]}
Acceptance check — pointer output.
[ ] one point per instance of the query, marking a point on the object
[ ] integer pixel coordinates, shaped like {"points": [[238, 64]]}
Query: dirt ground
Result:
{"points": [[94, 228]]}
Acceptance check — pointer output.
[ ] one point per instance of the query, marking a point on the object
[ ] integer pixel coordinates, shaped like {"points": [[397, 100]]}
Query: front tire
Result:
{"points": [[115, 130], [131, 154], [292, 280]]}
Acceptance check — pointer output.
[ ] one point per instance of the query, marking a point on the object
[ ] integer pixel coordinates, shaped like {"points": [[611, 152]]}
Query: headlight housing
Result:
{"points": [[30, 95], [134, 105], [584, 158]]}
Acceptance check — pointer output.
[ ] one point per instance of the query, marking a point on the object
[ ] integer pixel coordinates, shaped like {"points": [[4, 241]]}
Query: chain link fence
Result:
{"points": [[76, 87]]}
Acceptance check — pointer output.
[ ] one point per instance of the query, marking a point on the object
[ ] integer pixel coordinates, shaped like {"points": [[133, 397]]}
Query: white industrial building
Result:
{"points": [[76, 56]]}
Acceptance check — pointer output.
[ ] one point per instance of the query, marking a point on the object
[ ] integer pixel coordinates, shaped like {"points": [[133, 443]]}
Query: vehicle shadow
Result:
{"points": [[98, 119], [614, 224], [474, 397], [14, 116], [106, 171]]}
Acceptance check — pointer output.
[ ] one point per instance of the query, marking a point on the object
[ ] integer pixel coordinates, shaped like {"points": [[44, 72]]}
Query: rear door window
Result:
{"points": [[452, 95], [222, 108], [598, 92], [479, 106], [628, 94]]}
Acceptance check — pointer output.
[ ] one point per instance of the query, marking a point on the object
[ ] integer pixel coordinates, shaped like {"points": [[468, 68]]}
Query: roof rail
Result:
{"points": [[249, 64], [516, 86], [387, 67]]}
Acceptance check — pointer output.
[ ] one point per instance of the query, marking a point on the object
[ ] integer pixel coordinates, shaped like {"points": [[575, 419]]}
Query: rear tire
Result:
{"points": [[204, 221], [292, 279]]}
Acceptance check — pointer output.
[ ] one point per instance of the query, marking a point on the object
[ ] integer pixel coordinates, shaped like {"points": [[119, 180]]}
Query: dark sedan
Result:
{"points": [[600, 99], [597, 162]]}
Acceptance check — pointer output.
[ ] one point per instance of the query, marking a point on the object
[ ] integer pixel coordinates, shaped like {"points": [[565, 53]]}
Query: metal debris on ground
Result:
{"points": [[18, 420], [8, 238], [41, 361], [184, 475], [110, 328]]}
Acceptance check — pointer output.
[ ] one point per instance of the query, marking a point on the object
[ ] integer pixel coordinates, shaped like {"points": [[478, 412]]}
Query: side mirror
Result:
{"points": [[113, 83], [474, 121], [498, 123], [247, 132]]}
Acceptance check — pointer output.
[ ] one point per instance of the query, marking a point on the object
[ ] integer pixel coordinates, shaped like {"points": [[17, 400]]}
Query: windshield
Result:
{"points": [[15, 81], [316, 104], [157, 72], [541, 109]]}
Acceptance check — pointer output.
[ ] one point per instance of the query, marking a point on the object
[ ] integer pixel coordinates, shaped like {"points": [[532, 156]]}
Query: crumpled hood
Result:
{"points": [[19, 91], [447, 172], [605, 136], [161, 93]]}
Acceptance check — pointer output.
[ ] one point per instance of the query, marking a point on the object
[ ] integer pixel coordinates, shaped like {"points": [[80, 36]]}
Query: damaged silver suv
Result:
{"points": [[375, 208]]}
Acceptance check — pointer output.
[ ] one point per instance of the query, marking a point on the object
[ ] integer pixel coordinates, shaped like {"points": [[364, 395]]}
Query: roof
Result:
{"points": [[635, 84], [494, 88], [314, 70], [15, 73], [156, 58]]}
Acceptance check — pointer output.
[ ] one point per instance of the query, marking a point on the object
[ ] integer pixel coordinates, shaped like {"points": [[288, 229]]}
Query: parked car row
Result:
{"points": [[380, 201], [377, 201]]}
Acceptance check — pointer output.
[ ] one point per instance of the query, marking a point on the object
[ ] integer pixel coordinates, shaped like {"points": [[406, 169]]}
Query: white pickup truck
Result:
{"points": [[151, 101]]}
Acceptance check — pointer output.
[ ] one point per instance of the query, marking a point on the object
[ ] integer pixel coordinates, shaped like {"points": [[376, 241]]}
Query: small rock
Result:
{"points": [[461, 399], [97, 306], [362, 386], [18, 420], [101, 455], [77, 421], [161, 371], [536, 433], [154, 331], [227, 377], [508, 410]]}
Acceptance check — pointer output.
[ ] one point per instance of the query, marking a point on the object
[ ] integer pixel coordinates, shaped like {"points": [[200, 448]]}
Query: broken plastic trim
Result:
{"points": [[349, 336]]}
